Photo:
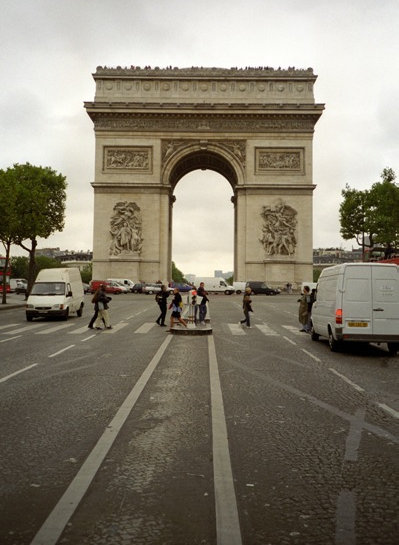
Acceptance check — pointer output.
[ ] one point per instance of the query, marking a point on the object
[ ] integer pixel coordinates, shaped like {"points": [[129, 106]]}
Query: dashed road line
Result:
{"points": [[389, 410], [25, 328], [311, 355], [145, 328], [10, 339], [292, 329], [346, 518], [18, 372], [236, 329], [347, 380], [52, 329], [289, 340], [7, 326], [61, 351], [266, 330]]}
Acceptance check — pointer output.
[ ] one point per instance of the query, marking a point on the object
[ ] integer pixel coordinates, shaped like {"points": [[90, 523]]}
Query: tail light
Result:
{"points": [[338, 316]]}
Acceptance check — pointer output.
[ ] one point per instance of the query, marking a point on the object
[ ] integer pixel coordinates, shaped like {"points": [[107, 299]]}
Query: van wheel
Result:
{"points": [[79, 312], [29, 317], [334, 344], [313, 335], [393, 348], [238, 292]]}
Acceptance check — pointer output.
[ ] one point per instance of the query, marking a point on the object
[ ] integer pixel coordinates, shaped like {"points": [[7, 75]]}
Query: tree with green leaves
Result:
{"points": [[177, 275], [371, 216], [36, 207], [9, 222]]}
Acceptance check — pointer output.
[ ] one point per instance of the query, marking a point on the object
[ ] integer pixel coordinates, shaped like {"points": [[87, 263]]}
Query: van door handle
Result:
{"points": [[378, 309]]}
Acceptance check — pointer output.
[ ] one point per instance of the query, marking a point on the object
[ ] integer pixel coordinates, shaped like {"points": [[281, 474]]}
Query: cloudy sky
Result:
{"points": [[50, 48]]}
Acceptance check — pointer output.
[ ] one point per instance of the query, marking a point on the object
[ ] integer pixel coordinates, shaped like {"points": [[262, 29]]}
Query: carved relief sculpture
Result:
{"points": [[278, 159], [279, 228], [126, 229], [127, 159]]}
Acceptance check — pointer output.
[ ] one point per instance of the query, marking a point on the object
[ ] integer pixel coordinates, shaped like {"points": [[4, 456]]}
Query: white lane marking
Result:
{"points": [[79, 330], [145, 328], [265, 329], [7, 326], [87, 338], [52, 329], [347, 380], [346, 518], [61, 351], [389, 410], [292, 329], [62, 512], [117, 327], [10, 339], [236, 329], [354, 436], [227, 522], [25, 328], [311, 355], [289, 340], [18, 372]]}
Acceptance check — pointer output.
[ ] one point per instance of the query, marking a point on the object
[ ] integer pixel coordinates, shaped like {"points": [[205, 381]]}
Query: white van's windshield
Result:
{"points": [[48, 288]]}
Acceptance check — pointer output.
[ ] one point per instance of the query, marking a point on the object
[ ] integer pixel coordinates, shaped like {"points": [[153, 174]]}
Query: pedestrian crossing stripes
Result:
{"points": [[266, 330], [145, 328]]}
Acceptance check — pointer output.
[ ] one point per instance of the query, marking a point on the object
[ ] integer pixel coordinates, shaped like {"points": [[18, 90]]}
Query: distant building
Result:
{"points": [[221, 274], [333, 256], [68, 258]]}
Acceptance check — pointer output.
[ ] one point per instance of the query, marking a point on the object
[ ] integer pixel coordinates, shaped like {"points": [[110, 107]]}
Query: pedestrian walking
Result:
{"points": [[103, 314], [161, 299], [247, 307], [200, 305], [94, 317], [176, 306], [312, 299], [303, 311]]}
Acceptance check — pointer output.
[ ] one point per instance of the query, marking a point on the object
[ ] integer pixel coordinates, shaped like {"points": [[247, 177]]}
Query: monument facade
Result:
{"points": [[254, 126]]}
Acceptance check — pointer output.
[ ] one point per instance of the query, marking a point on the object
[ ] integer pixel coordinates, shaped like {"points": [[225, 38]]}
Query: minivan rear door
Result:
{"points": [[357, 296], [385, 304]]}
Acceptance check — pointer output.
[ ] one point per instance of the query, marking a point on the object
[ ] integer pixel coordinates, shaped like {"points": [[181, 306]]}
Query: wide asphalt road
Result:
{"points": [[248, 436]]}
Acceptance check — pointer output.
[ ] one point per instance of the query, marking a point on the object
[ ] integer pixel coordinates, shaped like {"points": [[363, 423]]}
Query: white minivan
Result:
{"points": [[357, 302], [124, 282], [214, 284], [56, 292]]}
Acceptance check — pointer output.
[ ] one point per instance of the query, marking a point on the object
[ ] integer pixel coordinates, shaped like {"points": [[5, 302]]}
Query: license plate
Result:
{"points": [[358, 324]]}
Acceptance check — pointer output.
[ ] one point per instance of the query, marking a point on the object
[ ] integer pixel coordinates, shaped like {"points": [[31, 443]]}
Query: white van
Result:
{"points": [[239, 287], [56, 292], [124, 282], [214, 285], [357, 302]]}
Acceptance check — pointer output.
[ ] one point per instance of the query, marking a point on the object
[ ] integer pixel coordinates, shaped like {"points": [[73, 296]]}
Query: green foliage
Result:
{"points": [[316, 274], [177, 275], [373, 212], [230, 280], [31, 206], [87, 273], [19, 267]]}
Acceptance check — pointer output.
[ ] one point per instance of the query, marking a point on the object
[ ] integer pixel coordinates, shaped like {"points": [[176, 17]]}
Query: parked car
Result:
{"points": [[138, 288], [21, 286], [180, 287], [129, 284], [260, 288], [150, 288], [239, 287], [110, 287]]}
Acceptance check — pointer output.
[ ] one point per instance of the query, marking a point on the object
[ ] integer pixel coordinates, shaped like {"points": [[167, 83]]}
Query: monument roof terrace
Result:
{"points": [[263, 85]]}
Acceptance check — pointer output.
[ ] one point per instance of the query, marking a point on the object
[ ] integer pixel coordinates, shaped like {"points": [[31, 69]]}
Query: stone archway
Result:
{"points": [[254, 127]]}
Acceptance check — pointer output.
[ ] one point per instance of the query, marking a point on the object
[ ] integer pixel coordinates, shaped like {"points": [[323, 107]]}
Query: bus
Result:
{"points": [[6, 273]]}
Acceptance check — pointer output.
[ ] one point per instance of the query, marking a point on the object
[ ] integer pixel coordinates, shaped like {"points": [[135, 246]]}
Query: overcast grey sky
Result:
{"points": [[50, 48]]}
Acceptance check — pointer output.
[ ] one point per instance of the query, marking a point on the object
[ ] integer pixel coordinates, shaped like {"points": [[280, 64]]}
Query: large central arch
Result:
{"points": [[154, 126]]}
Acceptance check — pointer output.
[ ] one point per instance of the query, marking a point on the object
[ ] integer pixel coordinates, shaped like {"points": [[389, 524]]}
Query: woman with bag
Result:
{"points": [[102, 303], [176, 306]]}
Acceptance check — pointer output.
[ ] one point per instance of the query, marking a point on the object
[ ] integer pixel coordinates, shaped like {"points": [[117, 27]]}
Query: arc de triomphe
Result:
{"points": [[253, 126]]}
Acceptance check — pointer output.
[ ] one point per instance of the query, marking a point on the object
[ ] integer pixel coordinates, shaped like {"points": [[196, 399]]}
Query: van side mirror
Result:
{"points": [[69, 294]]}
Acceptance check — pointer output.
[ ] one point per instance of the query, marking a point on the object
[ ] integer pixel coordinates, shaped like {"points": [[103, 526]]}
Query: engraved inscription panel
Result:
{"points": [[279, 159], [138, 158]]}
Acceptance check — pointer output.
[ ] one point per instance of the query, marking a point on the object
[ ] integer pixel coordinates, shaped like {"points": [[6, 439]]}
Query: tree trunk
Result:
{"points": [[7, 246]]}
